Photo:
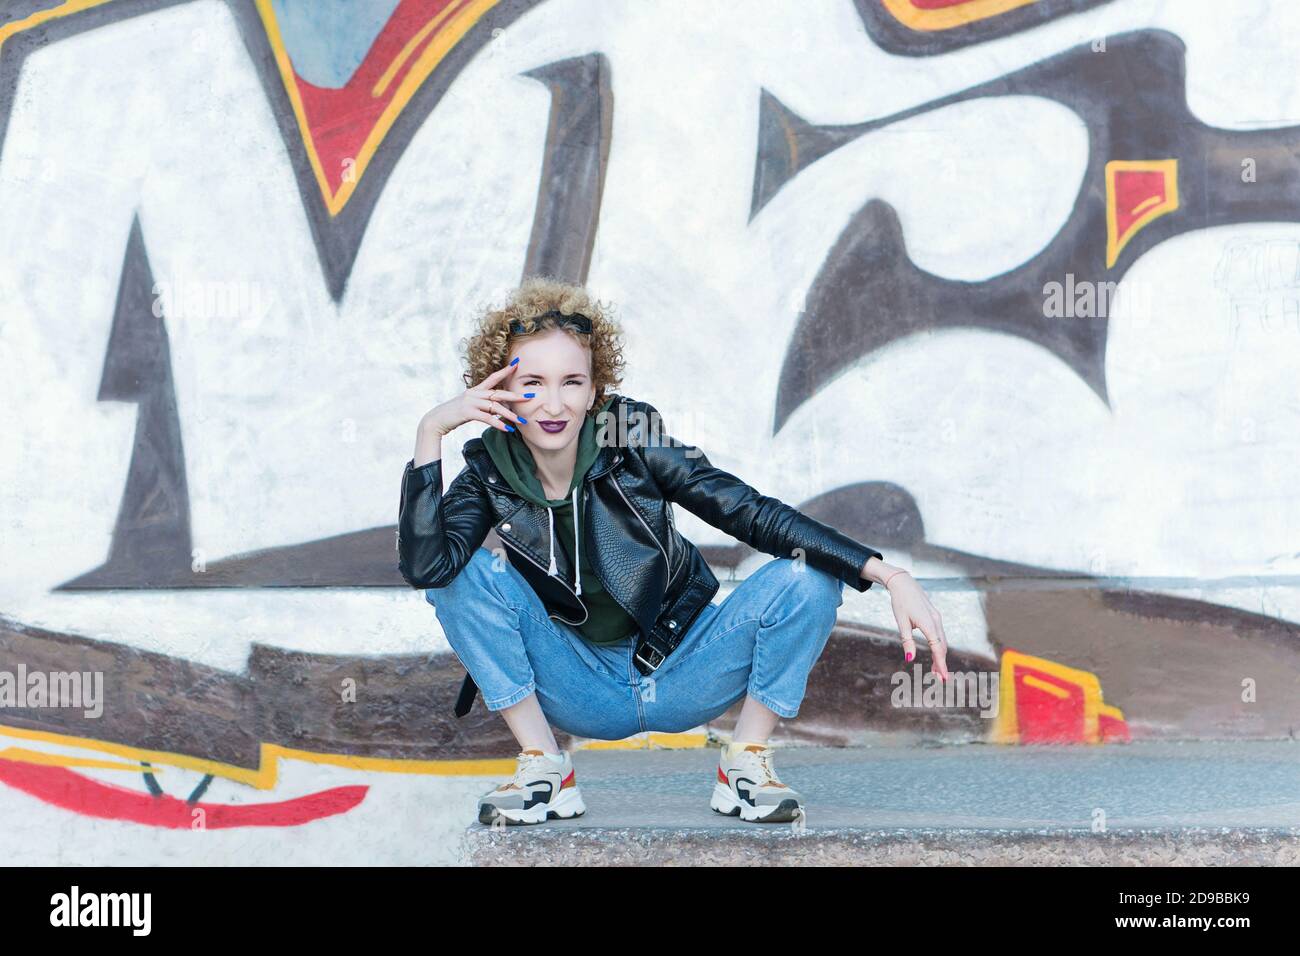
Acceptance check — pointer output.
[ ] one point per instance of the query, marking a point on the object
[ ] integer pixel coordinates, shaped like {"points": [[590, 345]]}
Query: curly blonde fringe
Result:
{"points": [[486, 349]]}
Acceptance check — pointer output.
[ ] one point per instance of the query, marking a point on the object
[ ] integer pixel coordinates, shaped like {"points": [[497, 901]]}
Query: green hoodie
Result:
{"points": [[606, 622]]}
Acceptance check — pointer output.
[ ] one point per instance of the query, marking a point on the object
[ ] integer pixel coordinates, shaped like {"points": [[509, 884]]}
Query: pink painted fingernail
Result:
{"points": [[909, 657]]}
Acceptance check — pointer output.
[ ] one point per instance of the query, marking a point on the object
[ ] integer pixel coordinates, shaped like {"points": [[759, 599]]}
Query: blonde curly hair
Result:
{"points": [[486, 349]]}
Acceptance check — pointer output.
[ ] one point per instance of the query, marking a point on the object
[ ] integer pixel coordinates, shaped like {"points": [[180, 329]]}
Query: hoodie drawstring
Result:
{"points": [[577, 582], [550, 533]]}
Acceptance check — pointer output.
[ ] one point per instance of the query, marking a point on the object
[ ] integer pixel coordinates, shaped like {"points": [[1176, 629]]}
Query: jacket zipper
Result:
{"points": [[585, 613], [643, 524], [672, 525], [397, 532], [668, 510]]}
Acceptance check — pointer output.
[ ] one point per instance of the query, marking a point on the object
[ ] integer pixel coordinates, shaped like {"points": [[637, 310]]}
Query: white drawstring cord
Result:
{"points": [[577, 537], [577, 582], [550, 533]]}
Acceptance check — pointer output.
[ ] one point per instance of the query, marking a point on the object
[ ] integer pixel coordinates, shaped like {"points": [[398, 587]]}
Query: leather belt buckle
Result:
{"points": [[656, 656]]}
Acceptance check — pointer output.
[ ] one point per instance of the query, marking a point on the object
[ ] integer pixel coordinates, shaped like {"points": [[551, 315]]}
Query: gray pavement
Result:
{"points": [[1140, 803]]}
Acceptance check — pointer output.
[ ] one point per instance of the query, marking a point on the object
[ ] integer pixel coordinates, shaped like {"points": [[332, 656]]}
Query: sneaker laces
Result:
{"points": [[526, 764], [762, 758]]}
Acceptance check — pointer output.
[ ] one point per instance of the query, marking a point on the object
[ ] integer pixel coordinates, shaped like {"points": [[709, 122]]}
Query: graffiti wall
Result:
{"points": [[1007, 289]]}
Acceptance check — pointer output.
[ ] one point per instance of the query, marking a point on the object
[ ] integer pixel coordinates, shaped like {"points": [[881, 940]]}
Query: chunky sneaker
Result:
{"points": [[542, 789], [747, 786]]}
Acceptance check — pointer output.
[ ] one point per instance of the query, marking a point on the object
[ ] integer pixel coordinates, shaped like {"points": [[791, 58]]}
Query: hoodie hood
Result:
{"points": [[514, 460]]}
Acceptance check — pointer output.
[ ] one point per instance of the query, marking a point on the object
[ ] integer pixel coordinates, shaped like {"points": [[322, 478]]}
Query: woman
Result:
{"points": [[600, 620]]}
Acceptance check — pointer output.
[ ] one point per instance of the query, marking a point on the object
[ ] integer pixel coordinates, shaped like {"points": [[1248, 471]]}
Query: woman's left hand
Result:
{"points": [[913, 611]]}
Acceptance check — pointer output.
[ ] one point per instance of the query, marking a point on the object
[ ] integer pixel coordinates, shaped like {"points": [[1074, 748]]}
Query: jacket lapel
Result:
{"points": [[528, 522]]}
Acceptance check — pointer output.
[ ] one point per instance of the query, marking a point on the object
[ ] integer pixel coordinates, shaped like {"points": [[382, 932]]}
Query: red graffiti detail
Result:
{"points": [[1132, 190], [1112, 730], [64, 788], [341, 119], [1045, 718]]}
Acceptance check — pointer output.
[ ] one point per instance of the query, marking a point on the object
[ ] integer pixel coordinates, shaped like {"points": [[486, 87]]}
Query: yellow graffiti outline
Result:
{"points": [[408, 51], [47, 759], [41, 16], [266, 774], [948, 18], [1154, 205]]}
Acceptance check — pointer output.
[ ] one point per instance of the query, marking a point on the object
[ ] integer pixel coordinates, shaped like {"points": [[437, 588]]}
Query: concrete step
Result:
{"points": [[1205, 802]]}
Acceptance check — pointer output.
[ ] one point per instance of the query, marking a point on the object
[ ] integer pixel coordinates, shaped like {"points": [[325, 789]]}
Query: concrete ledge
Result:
{"points": [[778, 845], [1204, 803]]}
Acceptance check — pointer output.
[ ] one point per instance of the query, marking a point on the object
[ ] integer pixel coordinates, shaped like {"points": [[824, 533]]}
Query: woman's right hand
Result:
{"points": [[483, 402]]}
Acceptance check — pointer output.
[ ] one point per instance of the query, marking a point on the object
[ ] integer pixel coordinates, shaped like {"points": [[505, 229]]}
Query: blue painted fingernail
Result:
{"points": [[510, 428], [522, 420], [514, 360], [529, 394]]}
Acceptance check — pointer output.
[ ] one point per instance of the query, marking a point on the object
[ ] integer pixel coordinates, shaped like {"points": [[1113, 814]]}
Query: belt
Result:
{"points": [[649, 655], [646, 654]]}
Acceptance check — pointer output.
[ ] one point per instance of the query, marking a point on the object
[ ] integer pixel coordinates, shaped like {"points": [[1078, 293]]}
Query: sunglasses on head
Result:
{"points": [[578, 321]]}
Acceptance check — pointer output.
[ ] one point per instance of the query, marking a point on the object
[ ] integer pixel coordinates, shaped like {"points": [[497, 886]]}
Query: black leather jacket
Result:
{"points": [[658, 577]]}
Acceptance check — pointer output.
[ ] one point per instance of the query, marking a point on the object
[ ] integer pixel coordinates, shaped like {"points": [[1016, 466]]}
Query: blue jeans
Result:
{"points": [[762, 640]]}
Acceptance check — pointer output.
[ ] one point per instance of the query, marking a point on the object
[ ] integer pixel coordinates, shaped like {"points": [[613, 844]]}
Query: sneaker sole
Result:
{"points": [[565, 807], [725, 802]]}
